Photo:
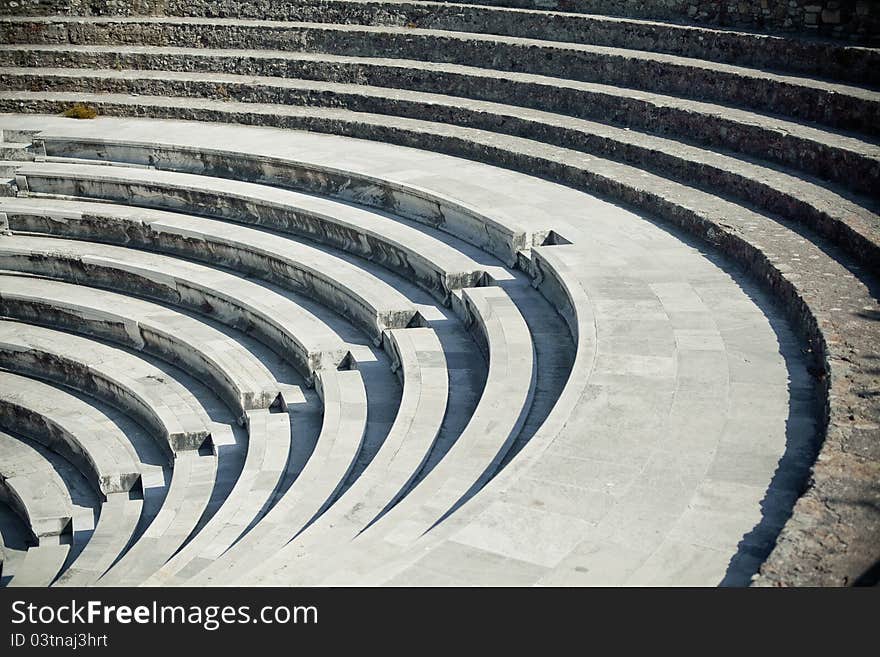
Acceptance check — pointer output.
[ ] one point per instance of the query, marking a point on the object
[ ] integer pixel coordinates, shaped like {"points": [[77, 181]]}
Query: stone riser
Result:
{"points": [[16, 417], [398, 253], [151, 339], [717, 45], [79, 376], [836, 110], [849, 21], [631, 68], [860, 241], [274, 330], [564, 19], [502, 238]]}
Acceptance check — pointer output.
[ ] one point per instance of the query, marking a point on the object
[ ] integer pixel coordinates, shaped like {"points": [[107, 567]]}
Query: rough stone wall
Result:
{"points": [[82, 7], [856, 20]]}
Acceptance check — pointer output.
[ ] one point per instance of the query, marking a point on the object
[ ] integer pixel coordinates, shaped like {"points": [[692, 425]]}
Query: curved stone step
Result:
{"points": [[685, 76], [477, 454], [421, 364], [541, 20], [839, 106], [623, 184], [189, 492], [682, 14], [411, 253], [269, 436], [226, 367], [161, 273], [300, 267], [116, 526], [72, 428], [562, 282], [837, 156], [501, 235], [601, 462], [848, 291], [41, 566], [111, 374], [312, 492], [764, 246], [611, 244], [32, 487], [848, 221], [296, 335]]}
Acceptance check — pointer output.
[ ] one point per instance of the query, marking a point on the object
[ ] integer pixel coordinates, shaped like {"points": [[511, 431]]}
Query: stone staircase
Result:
{"points": [[451, 293]]}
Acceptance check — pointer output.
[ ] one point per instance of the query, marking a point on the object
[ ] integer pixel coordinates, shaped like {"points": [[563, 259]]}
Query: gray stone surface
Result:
{"points": [[296, 334], [850, 222], [269, 436], [116, 527], [482, 445], [573, 59], [657, 428], [421, 364], [731, 242], [116, 376], [316, 487], [40, 566], [188, 494], [410, 253], [607, 20], [30, 485], [462, 95], [221, 363], [69, 426]]}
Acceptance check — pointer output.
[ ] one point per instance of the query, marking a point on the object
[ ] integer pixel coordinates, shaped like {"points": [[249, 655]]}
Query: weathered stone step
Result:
{"points": [[312, 492], [250, 304], [840, 106], [13, 151], [850, 222], [806, 20], [459, 141], [669, 74], [17, 136], [224, 365], [111, 374], [109, 452], [116, 526], [851, 63], [500, 232], [342, 523], [421, 365], [414, 254], [41, 566], [192, 482], [31, 486], [297, 335], [479, 450], [811, 285], [79, 432], [727, 45], [269, 436]]}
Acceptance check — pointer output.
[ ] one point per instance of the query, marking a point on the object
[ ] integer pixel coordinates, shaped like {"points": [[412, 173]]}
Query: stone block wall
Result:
{"points": [[853, 20], [82, 7]]}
